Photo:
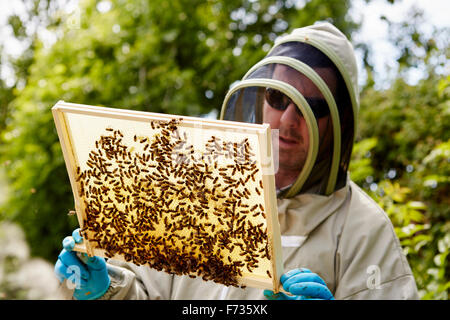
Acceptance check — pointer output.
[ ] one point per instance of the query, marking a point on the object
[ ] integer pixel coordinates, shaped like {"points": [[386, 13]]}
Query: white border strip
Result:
{"points": [[292, 241]]}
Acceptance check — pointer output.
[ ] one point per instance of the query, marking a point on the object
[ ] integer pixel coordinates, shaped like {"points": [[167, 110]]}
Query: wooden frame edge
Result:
{"points": [[270, 205], [69, 159], [270, 201]]}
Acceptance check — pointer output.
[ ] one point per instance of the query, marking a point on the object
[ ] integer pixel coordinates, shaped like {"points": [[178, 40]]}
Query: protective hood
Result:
{"points": [[304, 53]]}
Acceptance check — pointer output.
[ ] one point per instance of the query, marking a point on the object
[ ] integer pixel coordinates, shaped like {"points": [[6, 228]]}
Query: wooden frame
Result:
{"points": [[75, 148]]}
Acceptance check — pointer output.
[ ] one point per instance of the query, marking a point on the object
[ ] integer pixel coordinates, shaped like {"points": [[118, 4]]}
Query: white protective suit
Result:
{"points": [[328, 224]]}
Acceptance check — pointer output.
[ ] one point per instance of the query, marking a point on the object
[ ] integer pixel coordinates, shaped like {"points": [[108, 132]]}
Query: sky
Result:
{"points": [[373, 30]]}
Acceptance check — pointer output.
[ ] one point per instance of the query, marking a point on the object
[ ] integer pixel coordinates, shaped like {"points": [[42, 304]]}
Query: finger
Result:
{"points": [[302, 277], [69, 258], [60, 270], [288, 297], [293, 272], [311, 289], [76, 235], [95, 263], [68, 243], [278, 296], [270, 295]]}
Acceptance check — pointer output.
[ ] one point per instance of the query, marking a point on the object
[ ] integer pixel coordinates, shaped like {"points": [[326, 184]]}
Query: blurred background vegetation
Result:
{"points": [[180, 57]]}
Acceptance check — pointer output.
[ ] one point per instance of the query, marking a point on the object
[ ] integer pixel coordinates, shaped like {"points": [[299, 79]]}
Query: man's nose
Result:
{"points": [[291, 116]]}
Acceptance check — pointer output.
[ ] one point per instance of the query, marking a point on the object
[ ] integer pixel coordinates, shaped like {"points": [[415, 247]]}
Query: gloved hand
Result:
{"points": [[303, 285], [88, 274]]}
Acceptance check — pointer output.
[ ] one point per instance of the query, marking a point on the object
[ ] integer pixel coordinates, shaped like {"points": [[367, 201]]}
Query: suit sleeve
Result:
{"points": [[370, 263], [131, 282]]}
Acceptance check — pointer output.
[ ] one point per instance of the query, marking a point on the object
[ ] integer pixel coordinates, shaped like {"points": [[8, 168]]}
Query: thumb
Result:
{"points": [[94, 262], [77, 236], [70, 241]]}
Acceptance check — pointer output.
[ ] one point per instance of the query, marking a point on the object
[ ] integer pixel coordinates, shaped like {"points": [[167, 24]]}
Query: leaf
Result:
{"points": [[444, 244], [416, 216], [443, 87], [417, 205], [440, 259], [170, 36], [441, 151], [421, 243], [410, 229]]}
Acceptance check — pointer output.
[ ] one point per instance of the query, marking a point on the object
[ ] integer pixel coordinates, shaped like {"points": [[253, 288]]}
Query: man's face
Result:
{"points": [[293, 131]]}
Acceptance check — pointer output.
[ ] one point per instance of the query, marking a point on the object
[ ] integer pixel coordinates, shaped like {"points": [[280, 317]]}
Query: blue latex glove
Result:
{"points": [[303, 285], [88, 274]]}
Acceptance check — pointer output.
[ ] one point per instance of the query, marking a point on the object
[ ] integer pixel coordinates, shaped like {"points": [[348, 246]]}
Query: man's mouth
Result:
{"points": [[288, 141]]}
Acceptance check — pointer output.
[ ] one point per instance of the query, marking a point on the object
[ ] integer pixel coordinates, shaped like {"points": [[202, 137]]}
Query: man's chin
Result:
{"points": [[290, 166], [291, 160]]}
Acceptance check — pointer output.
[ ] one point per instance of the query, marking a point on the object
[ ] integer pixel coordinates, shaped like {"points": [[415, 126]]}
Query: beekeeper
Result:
{"points": [[337, 242]]}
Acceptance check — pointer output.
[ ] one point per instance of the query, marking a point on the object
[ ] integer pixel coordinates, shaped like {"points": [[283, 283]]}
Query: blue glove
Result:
{"points": [[88, 274], [303, 285]]}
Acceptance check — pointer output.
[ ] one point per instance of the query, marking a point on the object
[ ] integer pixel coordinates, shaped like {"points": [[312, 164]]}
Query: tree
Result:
{"points": [[403, 152]]}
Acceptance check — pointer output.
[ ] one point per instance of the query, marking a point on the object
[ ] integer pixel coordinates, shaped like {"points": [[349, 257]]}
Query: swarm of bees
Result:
{"points": [[160, 202]]}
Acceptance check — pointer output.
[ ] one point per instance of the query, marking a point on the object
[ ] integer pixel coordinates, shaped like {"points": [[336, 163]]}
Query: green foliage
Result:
{"points": [[6, 95], [424, 233], [360, 166], [404, 148]]}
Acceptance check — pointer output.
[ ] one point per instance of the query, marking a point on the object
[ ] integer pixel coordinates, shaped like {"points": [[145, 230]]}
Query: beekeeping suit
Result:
{"points": [[328, 224]]}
